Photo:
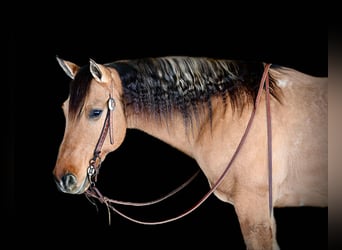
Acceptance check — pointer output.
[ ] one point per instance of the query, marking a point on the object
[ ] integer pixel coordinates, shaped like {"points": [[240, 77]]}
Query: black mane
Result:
{"points": [[158, 86]]}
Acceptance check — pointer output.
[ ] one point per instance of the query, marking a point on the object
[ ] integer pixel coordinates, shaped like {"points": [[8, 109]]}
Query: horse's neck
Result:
{"points": [[189, 139], [172, 132]]}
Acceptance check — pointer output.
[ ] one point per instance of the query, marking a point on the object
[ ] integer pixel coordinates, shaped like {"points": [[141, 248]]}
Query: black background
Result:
{"points": [[143, 168]]}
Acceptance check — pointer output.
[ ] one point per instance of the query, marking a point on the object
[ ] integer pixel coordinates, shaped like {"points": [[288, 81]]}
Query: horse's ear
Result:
{"points": [[99, 72], [69, 68]]}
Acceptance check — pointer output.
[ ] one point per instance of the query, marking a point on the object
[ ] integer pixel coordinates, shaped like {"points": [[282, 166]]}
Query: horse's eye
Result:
{"points": [[94, 113]]}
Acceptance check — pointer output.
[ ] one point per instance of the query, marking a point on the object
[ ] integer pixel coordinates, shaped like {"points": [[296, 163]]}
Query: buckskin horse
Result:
{"points": [[257, 131]]}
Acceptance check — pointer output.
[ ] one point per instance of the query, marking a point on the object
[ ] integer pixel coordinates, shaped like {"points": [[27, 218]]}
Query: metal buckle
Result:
{"points": [[111, 103]]}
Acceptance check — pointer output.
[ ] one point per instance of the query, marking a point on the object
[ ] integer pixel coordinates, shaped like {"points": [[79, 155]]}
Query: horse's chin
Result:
{"points": [[84, 187]]}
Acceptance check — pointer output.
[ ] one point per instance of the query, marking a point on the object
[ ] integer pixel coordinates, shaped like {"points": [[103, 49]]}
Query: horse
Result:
{"points": [[211, 110]]}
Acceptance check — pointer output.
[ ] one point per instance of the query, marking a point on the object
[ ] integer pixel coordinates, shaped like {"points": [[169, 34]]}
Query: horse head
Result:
{"points": [[95, 124]]}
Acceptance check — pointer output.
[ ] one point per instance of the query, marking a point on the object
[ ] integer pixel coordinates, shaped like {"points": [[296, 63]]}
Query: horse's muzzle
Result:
{"points": [[68, 184]]}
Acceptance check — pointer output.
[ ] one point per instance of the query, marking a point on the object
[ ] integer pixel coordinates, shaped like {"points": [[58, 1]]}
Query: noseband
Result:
{"points": [[95, 162]]}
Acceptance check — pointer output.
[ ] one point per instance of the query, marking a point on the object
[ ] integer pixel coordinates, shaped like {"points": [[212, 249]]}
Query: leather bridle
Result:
{"points": [[95, 162]]}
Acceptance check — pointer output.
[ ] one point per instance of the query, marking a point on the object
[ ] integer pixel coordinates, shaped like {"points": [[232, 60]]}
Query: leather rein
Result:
{"points": [[95, 162]]}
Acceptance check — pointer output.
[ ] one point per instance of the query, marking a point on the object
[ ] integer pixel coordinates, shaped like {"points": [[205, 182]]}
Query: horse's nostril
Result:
{"points": [[69, 182]]}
